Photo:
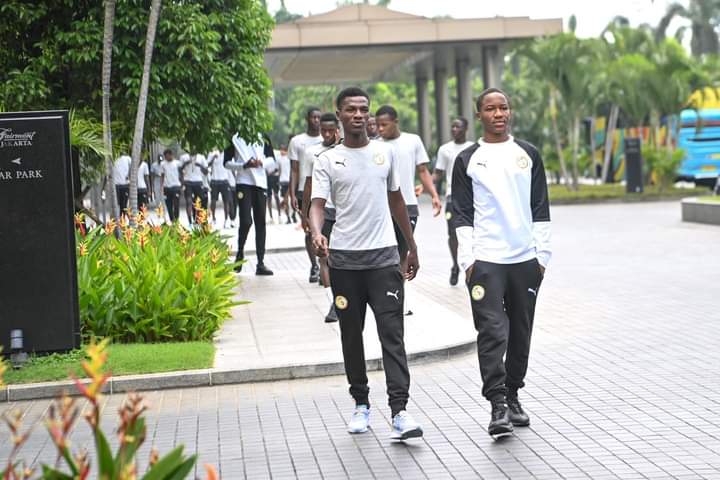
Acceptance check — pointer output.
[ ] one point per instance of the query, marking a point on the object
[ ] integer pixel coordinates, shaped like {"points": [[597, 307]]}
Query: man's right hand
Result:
{"points": [[320, 244], [294, 203], [468, 273]]}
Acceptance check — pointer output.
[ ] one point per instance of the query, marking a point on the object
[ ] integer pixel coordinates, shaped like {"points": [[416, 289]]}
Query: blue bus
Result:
{"points": [[702, 146]]}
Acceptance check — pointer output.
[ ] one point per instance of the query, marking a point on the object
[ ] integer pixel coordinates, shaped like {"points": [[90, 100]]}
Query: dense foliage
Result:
{"points": [[207, 76], [155, 283]]}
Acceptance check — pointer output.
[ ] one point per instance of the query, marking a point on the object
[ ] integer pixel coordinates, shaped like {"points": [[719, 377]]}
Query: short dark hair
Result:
{"points": [[167, 150], [310, 111], [463, 120], [488, 91], [350, 92], [329, 117], [387, 110]]}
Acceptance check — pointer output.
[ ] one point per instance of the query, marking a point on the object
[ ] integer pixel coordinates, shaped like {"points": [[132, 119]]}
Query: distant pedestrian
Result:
{"points": [[219, 186], [121, 178], [284, 167], [194, 168], [502, 219], [171, 184], [143, 180], [444, 168]]}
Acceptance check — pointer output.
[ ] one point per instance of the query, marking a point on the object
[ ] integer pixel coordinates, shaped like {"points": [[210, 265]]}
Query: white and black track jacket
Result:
{"points": [[500, 204]]}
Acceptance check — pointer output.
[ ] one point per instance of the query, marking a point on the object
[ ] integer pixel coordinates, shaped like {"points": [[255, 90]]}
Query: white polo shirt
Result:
{"points": [[244, 152], [193, 171], [143, 171], [446, 160], [410, 153], [218, 172], [296, 147], [121, 170], [358, 180], [170, 171]]}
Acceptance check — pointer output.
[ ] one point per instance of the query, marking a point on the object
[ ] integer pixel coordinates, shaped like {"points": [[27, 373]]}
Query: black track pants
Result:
{"points": [[503, 298], [382, 289], [251, 201]]}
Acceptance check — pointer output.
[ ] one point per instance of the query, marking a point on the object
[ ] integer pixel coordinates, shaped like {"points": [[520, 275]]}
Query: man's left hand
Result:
{"points": [[413, 265], [437, 206]]}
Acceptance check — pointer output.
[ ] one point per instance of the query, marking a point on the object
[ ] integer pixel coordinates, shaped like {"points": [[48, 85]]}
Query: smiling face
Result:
{"points": [[495, 115]]}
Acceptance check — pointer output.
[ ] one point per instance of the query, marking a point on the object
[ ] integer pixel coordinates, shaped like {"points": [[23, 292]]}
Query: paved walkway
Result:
{"points": [[624, 377]]}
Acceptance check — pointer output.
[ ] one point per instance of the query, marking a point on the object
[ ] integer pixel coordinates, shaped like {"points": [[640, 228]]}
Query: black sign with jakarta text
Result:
{"points": [[38, 274]]}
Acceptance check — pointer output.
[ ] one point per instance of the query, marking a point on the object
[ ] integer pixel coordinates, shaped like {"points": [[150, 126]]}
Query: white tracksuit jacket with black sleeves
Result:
{"points": [[500, 204]]}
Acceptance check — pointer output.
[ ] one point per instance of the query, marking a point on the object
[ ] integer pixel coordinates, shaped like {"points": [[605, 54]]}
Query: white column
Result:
{"points": [[442, 99], [465, 105], [493, 62], [423, 108]]}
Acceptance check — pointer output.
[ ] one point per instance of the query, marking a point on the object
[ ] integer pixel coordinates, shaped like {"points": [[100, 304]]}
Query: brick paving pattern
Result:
{"points": [[624, 378]]}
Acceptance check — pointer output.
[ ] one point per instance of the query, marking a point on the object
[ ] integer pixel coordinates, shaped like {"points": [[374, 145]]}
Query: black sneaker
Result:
{"points": [[331, 317], [499, 419], [238, 266], [517, 415], [314, 274], [454, 275], [263, 270]]}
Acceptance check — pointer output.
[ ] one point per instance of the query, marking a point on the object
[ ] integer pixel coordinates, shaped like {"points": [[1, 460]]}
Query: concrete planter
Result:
{"points": [[700, 211]]}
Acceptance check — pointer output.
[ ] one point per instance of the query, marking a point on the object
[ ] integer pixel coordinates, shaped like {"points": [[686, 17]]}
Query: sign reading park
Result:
{"points": [[38, 276]]}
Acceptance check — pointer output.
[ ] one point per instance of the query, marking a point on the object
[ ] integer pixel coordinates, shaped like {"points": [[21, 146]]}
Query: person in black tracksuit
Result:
{"points": [[361, 176], [502, 224]]}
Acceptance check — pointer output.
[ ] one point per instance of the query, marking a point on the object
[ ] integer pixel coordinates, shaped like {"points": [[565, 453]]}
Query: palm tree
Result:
{"points": [[142, 103], [568, 64], [704, 17], [107, 132]]}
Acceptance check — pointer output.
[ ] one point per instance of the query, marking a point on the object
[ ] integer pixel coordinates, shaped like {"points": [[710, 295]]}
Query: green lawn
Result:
{"points": [[122, 360], [561, 194], [711, 198]]}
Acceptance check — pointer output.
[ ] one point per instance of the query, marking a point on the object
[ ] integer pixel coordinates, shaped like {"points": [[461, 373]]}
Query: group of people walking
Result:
{"points": [[351, 177]]}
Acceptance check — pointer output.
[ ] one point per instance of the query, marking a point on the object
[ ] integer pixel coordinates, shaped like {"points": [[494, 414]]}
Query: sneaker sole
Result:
{"points": [[414, 433], [355, 432], [500, 431], [520, 423]]}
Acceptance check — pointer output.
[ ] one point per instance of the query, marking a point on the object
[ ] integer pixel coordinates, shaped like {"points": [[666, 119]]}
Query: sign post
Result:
{"points": [[38, 273]]}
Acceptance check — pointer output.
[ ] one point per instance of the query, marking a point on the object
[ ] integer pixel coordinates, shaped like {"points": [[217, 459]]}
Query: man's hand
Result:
{"points": [[294, 203], [542, 270], [437, 205], [320, 244], [254, 163], [304, 223], [468, 273], [413, 265], [419, 189]]}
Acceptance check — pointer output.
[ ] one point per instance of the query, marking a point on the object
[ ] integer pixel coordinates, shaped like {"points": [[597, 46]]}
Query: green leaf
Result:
{"points": [[105, 457]]}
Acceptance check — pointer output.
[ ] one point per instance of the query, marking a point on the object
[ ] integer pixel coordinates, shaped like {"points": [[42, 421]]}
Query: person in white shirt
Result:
{"points": [[273, 190], [329, 130], [121, 178], [219, 185], [297, 145], [412, 159], [171, 184], [502, 223], [250, 164], [143, 180], [155, 173], [193, 167], [284, 167], [443, 169], [361, 177], [372, 129]]}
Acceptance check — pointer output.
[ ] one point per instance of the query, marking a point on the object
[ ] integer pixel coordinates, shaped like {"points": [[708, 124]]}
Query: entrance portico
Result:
{"points": [[392, 46]]}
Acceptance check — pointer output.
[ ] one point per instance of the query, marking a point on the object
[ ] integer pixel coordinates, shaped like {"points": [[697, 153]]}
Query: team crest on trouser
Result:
{"points": [[341, 302], [477, 293]]}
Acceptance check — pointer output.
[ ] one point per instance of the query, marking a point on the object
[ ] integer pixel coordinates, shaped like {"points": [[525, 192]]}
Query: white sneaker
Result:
{"points": [[360, 420], [404, 427]]}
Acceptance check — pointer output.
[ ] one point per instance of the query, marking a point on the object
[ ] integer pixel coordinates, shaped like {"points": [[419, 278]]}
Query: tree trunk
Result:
{"points": [[593, 146], [107, 132], [609, 136], [558, 143], [142, 104], [575, 135]]}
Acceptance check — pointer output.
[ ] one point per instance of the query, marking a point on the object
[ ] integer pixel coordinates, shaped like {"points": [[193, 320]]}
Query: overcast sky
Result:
{"points": [[592, 15]]}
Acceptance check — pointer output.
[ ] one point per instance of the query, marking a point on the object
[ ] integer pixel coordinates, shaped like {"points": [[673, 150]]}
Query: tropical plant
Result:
{"points": [[704, 17], [154, 283], [662, 164], [132, 432]]}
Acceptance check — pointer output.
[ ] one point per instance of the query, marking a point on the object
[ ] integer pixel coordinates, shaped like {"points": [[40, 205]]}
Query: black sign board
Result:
{"points": [[633, 166], [38, 274]]}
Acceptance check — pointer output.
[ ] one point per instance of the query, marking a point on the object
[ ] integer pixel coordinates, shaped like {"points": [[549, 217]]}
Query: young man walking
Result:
{"points": [[502, 216], [412, 160], [143, 180], [361, 177], [296, 147], [329, 130], [194, 168], [251, 164], [219, 186], [284, 167], [171, 183], [121, 178], [444, 167]]}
